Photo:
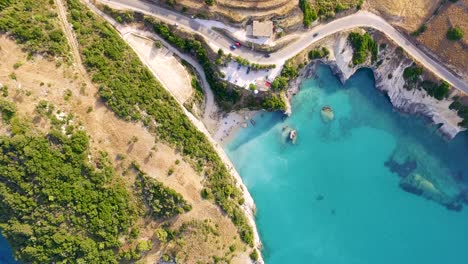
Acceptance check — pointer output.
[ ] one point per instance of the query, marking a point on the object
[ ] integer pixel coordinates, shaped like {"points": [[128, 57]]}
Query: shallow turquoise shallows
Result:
{"points": [[329, 199]]}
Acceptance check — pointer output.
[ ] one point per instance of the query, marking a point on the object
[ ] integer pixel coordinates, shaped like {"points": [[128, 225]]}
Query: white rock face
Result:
{"points": [[389, 79]]}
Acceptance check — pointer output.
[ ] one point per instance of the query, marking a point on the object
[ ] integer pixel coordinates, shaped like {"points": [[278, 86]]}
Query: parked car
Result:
{"points": [[239, 66], [232, 47], [267, 55], [248, 70], [176, 25], [237, 44], [315, 34]]}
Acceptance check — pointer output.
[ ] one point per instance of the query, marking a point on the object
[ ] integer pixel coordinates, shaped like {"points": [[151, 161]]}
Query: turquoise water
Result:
{"points": [[6, 256], [329, 199]]}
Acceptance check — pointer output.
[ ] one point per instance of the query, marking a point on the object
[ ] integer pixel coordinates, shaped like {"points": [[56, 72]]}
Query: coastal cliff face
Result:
{"points": [[434, 182], [388, 73]]}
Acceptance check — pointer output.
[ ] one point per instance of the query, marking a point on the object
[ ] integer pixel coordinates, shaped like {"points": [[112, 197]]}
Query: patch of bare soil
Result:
{"points": [[407, 14], [168, 69], [453, 53], [30, 81]]}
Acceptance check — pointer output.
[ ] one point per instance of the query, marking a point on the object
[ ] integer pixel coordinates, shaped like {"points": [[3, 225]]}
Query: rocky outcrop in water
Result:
{"points": [[327, 114]]}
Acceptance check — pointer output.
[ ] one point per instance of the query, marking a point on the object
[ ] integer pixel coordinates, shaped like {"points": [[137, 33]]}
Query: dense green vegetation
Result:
{"points": [[7, 109], [319, 53], [273, 102], [362, 45], [455, 33], [56, 206], [462, 110], [329, 8], [34, 24], [309, 14], [129, 89], [412, 73], [254, 66], [438, 91], [162, 201], [324, 9], [280, 83]]}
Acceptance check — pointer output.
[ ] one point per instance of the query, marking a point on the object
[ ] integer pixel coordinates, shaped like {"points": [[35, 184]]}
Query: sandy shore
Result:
{"points": [[229, 124]]}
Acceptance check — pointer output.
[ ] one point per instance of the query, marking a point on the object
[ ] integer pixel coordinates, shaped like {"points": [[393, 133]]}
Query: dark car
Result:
{"points": [[267, 55], [239, 66], [315, 34], [232, 47], [248, 70]]}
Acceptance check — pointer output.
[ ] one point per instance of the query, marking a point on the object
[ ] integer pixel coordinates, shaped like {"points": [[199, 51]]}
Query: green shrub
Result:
{"points": [[254, 255], [455, 33], [274, 102], [209, 2], [362, 45], [438, 91], [280, 83], [163, 201], [289, 70], [420, 30], [319, 53], [7, 109], [412, 73], [309, 14]]}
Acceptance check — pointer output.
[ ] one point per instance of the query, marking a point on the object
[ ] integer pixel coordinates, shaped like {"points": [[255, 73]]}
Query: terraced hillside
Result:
{"points": [[240, 10]]}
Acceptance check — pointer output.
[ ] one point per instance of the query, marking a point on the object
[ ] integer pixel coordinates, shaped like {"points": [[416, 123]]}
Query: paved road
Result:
{"points": [[359, 19]]}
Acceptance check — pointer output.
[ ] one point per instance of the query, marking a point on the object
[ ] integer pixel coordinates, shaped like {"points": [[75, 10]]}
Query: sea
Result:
{"points": [[333, 196], [6, 256]]}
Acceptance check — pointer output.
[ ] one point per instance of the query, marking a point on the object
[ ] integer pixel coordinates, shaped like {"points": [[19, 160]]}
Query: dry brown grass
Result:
{"points": [[237, 10], [453, 53], [40, 79], [407, 14]]}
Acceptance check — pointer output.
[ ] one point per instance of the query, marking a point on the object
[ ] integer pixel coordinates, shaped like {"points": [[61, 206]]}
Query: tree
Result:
{"points": [[279, 83], [8, 109], [274, 102], [455, 33]]}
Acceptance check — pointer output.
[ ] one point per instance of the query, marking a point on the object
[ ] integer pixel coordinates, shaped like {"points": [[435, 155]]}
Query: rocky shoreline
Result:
{"points": [[388, 79]]}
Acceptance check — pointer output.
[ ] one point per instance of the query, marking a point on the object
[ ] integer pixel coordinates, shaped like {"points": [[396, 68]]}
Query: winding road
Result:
{"points": [[359, 19]]}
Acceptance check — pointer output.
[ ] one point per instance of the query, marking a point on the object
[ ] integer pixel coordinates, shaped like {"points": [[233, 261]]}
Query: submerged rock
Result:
{"points": [[404, 169], [327, 114], [419, 185]]}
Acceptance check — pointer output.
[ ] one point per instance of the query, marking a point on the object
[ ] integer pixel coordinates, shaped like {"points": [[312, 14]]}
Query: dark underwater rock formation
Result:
{"points": [[417, 184], [402, 169]]}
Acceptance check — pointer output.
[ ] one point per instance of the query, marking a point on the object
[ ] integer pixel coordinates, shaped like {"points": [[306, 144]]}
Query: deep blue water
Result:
{"points": [[329, 199], [6, 256]]}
